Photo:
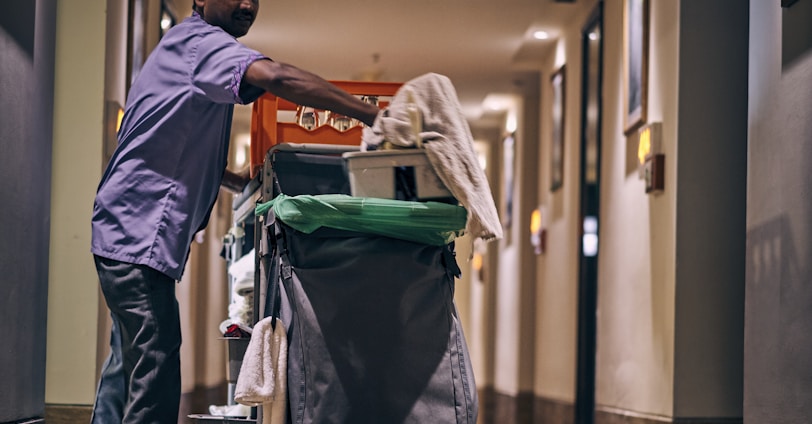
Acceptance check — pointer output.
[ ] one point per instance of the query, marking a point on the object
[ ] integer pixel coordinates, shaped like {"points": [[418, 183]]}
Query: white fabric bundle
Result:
{"points": [[263, 373], [449, 146]]}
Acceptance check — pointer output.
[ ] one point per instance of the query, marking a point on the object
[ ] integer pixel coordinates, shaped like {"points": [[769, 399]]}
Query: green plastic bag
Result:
{"points": [[431, 223]]}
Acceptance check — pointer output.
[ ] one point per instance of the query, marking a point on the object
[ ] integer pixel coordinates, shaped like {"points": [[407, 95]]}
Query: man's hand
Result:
{"points": [[236, 181]]}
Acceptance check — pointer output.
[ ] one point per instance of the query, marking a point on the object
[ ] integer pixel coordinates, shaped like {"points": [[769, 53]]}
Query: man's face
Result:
{"points": [[234, 16]]}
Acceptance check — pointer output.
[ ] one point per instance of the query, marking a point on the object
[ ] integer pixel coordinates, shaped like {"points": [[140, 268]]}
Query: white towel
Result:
{"points": [[263, 374], [449, 146]]}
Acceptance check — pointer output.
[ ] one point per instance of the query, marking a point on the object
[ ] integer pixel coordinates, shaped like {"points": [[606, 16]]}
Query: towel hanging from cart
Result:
{"points": [[263, 374]]}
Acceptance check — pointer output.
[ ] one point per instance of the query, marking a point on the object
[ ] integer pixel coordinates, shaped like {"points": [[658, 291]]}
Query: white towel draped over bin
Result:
{"points": [[449, 146]]}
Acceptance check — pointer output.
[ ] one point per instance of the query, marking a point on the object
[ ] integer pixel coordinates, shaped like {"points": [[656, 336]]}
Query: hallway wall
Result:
{"points": [[556, 272], [778, 308], [78, 326], [27, 39], [634, 362], [671, 263], [711, 201], [514, 279], [636, 277], [78, 131]]}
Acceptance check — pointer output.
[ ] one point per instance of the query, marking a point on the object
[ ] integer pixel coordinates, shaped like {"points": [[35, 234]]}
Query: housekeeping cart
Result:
{"points": [[354, 271], [364, 287]]}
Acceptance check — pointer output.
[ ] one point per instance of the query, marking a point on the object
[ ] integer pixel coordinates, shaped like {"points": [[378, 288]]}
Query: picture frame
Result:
{"points": [[635, 63], [558, 112]]}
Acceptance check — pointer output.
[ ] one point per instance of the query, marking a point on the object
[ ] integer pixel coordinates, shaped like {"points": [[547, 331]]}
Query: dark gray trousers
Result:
{"points": [[140, 380]]}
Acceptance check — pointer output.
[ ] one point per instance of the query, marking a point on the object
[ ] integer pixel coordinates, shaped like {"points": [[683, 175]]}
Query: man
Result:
{"points": [[161, 184]]}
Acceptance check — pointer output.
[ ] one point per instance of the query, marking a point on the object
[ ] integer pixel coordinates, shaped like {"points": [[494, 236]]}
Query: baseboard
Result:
{"points": [[67, 414], [546, 410], [198, 400], [495, 407], [500, 408], [607, 415], [195, 402]]}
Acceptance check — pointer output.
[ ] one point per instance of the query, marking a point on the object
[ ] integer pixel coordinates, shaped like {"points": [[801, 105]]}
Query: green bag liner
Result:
{"points": [[431, 223]]}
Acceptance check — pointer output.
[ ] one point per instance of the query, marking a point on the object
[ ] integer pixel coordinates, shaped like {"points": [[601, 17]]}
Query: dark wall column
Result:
{"points": [[711, 209], [27, 39]]}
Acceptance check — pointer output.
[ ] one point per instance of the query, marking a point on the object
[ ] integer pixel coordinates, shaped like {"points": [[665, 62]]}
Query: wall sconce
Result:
{"points": [[650, 157], [113, 115], [538, 230], [119, 118], [478, 264]]}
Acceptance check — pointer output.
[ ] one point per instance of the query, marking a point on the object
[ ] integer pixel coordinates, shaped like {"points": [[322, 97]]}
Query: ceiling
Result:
{"points": [[484, 46]]}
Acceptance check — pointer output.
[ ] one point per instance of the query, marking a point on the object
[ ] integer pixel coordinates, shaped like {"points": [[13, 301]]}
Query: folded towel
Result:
{"points": [[263, 374], [449, 146]]}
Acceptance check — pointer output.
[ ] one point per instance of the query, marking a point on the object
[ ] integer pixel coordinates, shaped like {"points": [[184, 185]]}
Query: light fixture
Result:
{"points": [[242, 144], [538, 230], [511, 124], [589, 240], [651, 160], [541, 35], [119, 118]]}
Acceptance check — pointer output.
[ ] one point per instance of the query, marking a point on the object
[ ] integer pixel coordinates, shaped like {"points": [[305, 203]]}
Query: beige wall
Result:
{"points": [[634, 362], [514, 283], [634, 368], [480, 324], [73, 285], [203, 301], [78, 333]]}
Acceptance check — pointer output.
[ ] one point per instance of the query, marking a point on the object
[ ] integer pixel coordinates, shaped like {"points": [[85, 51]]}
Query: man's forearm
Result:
{"points": [[307, 89]]}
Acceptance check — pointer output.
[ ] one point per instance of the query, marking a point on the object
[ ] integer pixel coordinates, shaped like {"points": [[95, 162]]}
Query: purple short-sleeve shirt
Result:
{"points": [[164, 177]]}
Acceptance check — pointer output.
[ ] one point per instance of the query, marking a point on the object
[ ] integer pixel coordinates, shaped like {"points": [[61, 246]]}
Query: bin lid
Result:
{"points": [[432, 223]]}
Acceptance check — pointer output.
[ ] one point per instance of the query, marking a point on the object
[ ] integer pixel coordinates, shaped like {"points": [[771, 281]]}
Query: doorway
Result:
{"points": [[589, 194]]}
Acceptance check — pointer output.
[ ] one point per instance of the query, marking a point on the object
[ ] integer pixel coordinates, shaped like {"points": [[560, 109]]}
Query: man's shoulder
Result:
{"points": [[195, 30]]}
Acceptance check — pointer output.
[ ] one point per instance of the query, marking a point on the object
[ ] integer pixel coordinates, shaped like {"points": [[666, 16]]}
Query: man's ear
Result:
{"points": [[198, 4]]}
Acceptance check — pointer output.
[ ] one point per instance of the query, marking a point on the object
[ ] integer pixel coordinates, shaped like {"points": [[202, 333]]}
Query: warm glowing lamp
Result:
{"points": [[119, 118], [535, 221], [650, 157], [476, 262], [537, 231], [644, 145]]}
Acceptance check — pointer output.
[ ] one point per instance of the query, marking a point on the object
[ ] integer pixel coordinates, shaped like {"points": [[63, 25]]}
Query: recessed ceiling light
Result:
{"points": [[541, 35]]}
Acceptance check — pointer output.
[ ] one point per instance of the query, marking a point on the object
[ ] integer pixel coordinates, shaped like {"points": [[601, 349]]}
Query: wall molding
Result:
{"points": [[67, 414], [195, 402], [494, 407], [526, 408]]}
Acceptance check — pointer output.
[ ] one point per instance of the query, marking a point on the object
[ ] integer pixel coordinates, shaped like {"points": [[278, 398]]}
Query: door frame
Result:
{"points": [[589, 198]]}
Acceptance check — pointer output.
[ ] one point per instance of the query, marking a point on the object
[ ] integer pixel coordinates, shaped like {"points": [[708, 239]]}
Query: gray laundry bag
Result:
{"points": [[373, 331]]}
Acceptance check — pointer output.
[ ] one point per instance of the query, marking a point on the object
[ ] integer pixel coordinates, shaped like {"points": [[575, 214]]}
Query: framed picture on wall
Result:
{"points": [[635, 63], [558, 91]]}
